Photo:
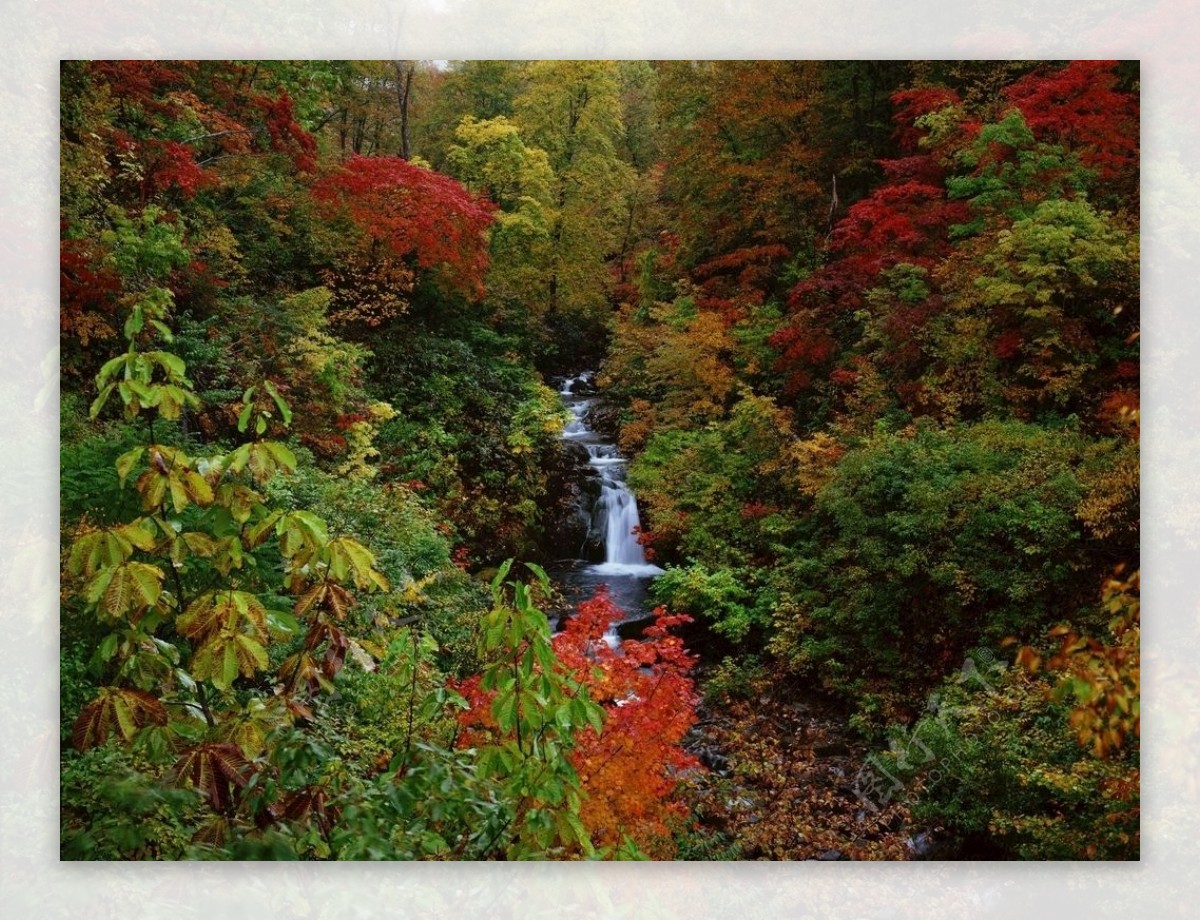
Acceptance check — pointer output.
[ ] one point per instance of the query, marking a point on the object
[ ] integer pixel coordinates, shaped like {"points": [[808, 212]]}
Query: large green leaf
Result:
{"points": [[125, 709], [126, 461]]}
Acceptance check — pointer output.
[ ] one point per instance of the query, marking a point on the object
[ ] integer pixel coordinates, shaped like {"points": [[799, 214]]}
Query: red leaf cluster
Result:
{"points": [[160, 98], [904, 220], [1008, 344], [753, 511], [88, 292], [287, 135], [1079, 107], [747, 270], [631, 770], [172, 165], [415, 214]]}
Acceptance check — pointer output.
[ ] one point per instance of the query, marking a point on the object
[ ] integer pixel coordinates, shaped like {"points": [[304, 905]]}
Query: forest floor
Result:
{"points": [[784, 782]]}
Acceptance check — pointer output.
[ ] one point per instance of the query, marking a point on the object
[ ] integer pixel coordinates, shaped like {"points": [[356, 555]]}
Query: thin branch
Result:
{"points": [[217, 134], [329, 116]]}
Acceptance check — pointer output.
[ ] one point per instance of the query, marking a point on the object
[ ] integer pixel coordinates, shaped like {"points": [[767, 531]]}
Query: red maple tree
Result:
{"points": [[630, 771], [413, 214]]}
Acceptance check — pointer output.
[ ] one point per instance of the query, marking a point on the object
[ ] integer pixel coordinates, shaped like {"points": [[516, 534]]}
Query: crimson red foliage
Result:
{"points": [[172, 165], [287, 135], [1079, 107], [157, 97], [913, 104], [844, 377], [752, 511], [1008, 344], [86, 286], [803, 346], [348, 419], [145, 85], [904, 220], [415, 213], [1127, 370], [631, 769], [899, 222], [747, 269]]}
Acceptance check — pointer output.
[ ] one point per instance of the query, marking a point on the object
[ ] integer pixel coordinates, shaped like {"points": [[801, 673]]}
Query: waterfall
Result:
{"points": [[616, 512]]}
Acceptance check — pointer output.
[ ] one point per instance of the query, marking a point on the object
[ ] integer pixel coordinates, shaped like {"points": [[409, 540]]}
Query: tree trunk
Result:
{"points": [[404, 78]]}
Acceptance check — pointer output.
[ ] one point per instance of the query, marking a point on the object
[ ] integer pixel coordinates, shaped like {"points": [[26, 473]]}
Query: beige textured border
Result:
{"points": [[37, 34]]}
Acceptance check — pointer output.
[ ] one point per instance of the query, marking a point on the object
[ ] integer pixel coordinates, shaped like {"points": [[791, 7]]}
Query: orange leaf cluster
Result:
{"points": [[631, 770]]}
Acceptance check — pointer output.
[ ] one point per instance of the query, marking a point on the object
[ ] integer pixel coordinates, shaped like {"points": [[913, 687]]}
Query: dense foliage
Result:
{"points": [[876, 435], [868, 330]]}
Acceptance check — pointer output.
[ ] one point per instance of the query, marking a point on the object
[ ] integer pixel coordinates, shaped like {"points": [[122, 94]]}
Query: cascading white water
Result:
{"points": [[612, 520], [616, 508], [620, 546]]}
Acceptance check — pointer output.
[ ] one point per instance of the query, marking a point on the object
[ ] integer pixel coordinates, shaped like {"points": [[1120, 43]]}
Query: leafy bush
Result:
{"points": [[720, 596], [113, 810], [998, 767], [721, 495], [474, 428], [88, 482], [929, 542], [740, 676]]}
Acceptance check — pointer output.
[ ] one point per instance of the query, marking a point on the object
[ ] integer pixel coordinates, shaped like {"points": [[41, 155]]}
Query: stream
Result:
{"points": [[814, 754], [606, 515]]}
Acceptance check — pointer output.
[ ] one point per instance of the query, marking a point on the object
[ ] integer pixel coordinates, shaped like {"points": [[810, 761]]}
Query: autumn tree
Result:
{"points": [[525, 713], [1048, 324], [1083, 107], [367, 108], [572, 111], [627, 760], [480, 89], [163, 133], [402, 219], [187, 619], [907, 536], [673, 362], [888, 319], [742, 168], [492, 159], [904, 221], [1040, 760], [630, 769]]}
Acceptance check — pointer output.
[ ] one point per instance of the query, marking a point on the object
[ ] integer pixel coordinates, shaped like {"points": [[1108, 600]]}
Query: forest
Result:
{"points": [[556, 460]]}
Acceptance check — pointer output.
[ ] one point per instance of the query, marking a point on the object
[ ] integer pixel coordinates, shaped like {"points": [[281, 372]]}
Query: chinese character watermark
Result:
{"points": [[878, 783]]}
